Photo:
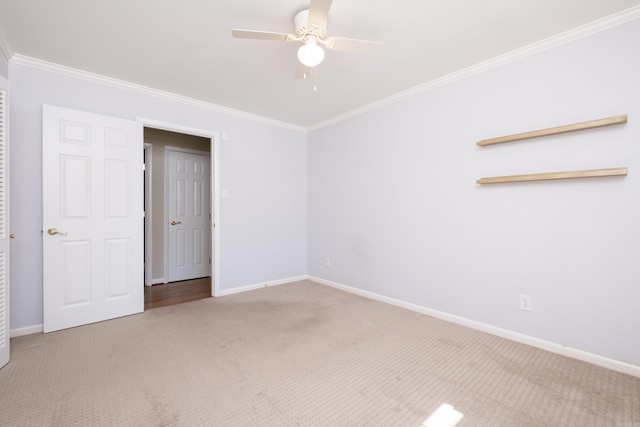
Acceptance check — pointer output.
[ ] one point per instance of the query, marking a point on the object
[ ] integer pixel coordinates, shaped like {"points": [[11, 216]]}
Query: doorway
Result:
{"points": [[162, 286], [176, 292]]}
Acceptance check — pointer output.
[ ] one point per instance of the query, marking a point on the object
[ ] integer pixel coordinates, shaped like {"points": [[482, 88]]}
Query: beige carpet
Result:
{"points": [[299, 355]]}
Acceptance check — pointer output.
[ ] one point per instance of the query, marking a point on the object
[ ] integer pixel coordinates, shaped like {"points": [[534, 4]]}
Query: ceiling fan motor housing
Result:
{"points": [[303, 28]]}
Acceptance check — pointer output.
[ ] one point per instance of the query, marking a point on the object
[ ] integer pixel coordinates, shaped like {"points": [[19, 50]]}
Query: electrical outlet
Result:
{"points": [[525, 302], [327, 262]]}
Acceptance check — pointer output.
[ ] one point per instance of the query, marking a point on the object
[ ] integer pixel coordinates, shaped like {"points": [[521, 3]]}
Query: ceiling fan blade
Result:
{"points": [[302, 71], [353, 45], [262, 35], [318, 13]]}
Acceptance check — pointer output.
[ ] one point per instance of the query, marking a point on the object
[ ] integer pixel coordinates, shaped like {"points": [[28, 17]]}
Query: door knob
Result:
{"points": [[54, 231], [174, 222]]}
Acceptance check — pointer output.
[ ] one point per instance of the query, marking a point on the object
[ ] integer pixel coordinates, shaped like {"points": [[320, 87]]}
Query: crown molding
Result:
{"points": [[529, 50], [121, 84]]}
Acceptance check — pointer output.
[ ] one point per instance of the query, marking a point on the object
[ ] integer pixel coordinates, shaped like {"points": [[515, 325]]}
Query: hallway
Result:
{"points": [[176, 292]]}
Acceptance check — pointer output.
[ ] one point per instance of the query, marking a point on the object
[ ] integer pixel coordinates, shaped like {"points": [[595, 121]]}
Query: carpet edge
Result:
{"points": [[574, 353]]}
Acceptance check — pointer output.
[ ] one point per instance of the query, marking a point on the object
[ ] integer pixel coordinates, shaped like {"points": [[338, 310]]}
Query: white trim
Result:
{"points": [[574, 353], [584, 356], [262, 285], [523, 52], [148, 214], [215, 188], [174, 127], [5, 239], [215, 221], [165, 215], [28, 330], [548, 43], [121, 84], [158, 281]]}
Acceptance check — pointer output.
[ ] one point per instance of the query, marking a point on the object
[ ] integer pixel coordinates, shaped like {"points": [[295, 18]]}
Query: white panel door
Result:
{"points": [[189, 186], [4, 227], [92, 218]]}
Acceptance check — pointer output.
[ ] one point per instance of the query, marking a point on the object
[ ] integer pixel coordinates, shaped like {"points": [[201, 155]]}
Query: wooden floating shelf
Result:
{"points": [[591, 173], [555, 130]]}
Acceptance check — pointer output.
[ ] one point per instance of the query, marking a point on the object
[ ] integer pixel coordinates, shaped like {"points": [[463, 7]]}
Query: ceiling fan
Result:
{"points": [[311, 30]]}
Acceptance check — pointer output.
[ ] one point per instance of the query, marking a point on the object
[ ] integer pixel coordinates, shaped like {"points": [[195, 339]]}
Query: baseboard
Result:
{"points": [[262, 285], [584, 356], [35, 329]]}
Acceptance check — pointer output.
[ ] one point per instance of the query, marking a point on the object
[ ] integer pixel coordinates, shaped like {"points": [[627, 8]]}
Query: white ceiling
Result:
{"points": [[185, 47]]}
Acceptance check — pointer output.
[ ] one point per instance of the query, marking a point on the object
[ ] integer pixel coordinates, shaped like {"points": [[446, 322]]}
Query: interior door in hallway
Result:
{"points": [[92, 218], [189, 214]]}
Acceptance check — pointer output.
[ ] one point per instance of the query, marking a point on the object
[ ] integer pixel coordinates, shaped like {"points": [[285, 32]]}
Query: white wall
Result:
{"points": [[392, 199], [263, 223], [394, 204]]}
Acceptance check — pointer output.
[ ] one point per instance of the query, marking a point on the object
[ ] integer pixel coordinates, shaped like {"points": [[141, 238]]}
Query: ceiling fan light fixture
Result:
{"points": [[311, 54], [311, 30]]}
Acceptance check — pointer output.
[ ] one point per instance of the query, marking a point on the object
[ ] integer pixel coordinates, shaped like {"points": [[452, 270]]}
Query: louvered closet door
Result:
{"points": [[4, 227], [93, 256]]}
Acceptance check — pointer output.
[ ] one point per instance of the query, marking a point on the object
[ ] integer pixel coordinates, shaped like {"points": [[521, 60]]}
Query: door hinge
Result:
{"points": [[144, 166]]}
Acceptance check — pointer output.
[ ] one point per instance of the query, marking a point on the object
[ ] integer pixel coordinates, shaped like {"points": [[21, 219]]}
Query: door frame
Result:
{"points": [[5, 232], [148, 215], [215, 186]]}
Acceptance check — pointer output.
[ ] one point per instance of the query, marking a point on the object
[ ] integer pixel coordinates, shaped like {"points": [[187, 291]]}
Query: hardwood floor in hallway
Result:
{"points": [[176, 292]]}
